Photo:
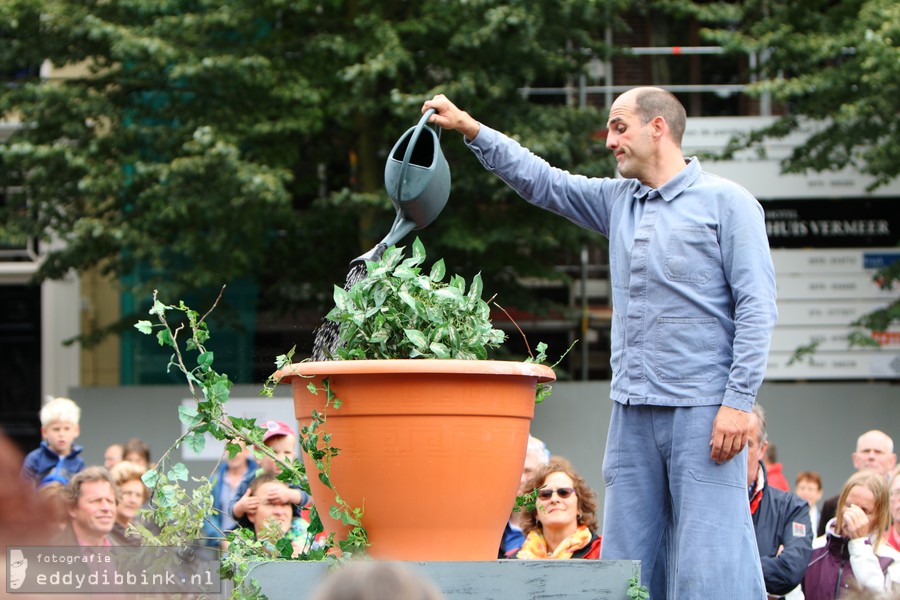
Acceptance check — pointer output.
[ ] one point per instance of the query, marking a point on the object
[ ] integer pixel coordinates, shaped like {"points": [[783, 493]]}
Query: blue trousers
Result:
{"points": [[668, 504]]}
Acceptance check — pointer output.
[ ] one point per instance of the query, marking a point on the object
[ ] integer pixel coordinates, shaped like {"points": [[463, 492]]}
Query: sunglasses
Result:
{"points": [[563, 493]]}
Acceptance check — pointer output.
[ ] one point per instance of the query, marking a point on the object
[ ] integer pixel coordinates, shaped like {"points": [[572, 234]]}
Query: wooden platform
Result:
{"points": [[483, 580]]}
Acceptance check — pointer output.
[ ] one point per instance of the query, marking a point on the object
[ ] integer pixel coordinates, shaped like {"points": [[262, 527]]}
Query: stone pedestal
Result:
{"points": [[482, 580]]}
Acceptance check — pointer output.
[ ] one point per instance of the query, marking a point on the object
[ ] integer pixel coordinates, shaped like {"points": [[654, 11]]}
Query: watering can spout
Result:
{"points": [[372, 255], [399, 229]]}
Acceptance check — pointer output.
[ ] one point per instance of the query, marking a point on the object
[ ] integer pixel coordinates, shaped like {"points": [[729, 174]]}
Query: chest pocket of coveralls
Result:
{"points": [[691, 254]]}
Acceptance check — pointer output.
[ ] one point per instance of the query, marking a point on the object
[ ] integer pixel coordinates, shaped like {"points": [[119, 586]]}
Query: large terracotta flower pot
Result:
{"points": [[432, 450]]}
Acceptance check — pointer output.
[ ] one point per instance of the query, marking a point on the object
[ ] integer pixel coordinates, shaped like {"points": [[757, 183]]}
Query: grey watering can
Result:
{"points": [[417, 178]]}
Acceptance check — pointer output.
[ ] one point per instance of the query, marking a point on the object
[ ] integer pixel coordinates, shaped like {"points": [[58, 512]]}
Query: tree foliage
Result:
{"points": [[833, 62], [202, 141]]}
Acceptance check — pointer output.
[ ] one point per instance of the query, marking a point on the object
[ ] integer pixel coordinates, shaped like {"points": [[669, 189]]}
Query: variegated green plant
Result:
{"points": [[399, 311]]}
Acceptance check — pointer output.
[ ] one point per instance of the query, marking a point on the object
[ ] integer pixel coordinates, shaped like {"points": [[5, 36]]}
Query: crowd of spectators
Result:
{"points": [[857, 548]]}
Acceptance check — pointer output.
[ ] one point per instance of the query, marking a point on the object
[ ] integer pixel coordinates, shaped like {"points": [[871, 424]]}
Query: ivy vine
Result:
{"points": [[178, 514]]}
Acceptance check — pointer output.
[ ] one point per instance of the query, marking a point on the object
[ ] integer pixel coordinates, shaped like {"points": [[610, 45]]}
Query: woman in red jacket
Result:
{"points": [[563, 523]]}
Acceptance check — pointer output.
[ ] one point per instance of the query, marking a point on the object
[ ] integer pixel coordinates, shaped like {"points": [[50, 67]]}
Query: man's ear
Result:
{"points": [[658, 127]]}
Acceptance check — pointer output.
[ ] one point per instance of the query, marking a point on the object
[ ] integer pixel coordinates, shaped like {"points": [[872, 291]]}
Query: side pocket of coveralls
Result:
{"points": [[686, 349], [703, 468]]}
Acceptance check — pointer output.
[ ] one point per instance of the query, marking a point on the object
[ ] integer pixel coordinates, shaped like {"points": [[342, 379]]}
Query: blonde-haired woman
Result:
{"points": [[853, 553], [132, 495]]}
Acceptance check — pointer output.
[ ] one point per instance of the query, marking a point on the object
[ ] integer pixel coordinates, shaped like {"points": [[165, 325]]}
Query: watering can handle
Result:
{"points": [[409, 150]]}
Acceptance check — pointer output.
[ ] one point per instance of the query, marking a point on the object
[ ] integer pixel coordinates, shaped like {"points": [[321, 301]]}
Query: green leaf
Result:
{"points": [[417, 338], [440, 350], [459, 283], [475, 290], [403, 273], [145, 327], [451, 293], [342, 299], [189, 416], [167, 495], [233, 449], [418, 249], [284, 548], [284, 360], [438, 270], [382, 335], [407, 299], [164, 337], [205, 359], [178, 472], [158, 308], [380, 295], [241, 423], [221, 389], [347, 518], [150, 478], [196, 442]]}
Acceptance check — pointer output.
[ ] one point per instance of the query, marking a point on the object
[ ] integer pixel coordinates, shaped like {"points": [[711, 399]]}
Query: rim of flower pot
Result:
{"points": [[543, 373]]}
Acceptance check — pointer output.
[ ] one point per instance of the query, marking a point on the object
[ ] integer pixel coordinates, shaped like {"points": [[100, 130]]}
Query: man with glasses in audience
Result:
{"points": [[781, 519]]}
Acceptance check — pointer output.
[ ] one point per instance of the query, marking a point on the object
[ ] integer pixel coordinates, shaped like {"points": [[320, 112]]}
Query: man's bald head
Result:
{"points": [[652, 102], [875, 451]]}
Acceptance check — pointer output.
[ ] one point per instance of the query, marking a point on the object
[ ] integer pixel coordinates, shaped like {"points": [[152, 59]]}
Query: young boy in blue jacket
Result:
{"points": [[58, 457]]}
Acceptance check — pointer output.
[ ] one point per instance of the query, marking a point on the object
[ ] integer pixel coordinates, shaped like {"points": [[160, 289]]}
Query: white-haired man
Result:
{"points": [[874, 451], [536, 456]]}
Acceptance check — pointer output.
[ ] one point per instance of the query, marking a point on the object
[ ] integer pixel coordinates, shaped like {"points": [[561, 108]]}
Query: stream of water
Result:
{"points": [[327, 334]]}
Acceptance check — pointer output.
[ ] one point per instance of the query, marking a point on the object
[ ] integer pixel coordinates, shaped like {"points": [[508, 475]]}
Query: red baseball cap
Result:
{"points": [[276, 428]]}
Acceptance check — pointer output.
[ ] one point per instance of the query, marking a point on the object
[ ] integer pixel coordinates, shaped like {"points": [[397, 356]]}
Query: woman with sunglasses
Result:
{"points": [[563, 523]]}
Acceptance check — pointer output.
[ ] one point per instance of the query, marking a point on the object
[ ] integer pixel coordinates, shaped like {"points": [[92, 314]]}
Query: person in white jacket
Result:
{"points": [[853, 553]]}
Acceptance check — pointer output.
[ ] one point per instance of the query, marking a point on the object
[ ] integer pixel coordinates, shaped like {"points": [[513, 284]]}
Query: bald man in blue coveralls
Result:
{"points": [[693, 312]]}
